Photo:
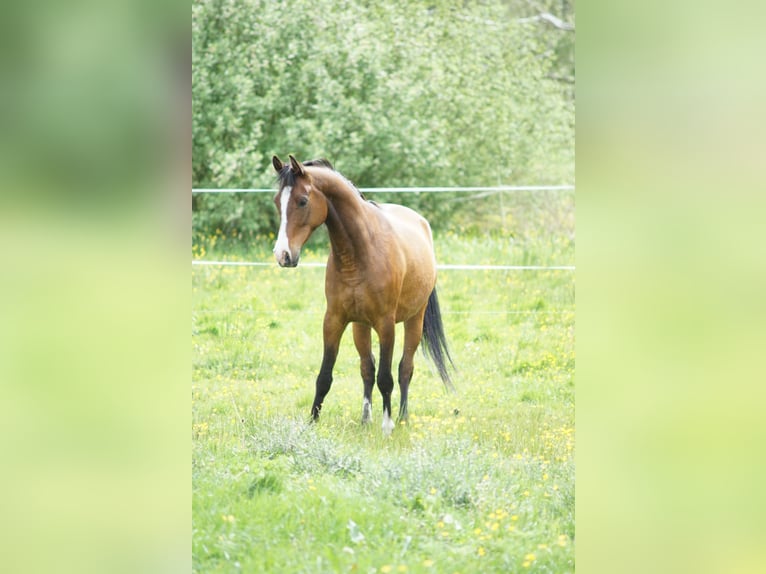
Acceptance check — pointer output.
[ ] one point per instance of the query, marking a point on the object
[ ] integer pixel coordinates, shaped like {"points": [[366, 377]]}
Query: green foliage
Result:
{"points": [[394, 93]]}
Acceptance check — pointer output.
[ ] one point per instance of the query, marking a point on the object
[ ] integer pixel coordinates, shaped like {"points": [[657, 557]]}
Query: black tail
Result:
{"points": [[434, 343]]}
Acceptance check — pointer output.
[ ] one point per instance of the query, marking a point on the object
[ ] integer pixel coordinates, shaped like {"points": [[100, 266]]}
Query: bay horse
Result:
{"points": [[381, 271]]}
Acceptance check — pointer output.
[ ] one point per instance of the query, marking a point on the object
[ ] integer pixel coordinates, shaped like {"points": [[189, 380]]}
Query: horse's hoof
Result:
{"points": [[388, 425], [366, 412]]}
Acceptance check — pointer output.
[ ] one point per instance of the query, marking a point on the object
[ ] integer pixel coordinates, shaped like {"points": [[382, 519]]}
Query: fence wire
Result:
{"points": [[489, 190], [444, 266]]}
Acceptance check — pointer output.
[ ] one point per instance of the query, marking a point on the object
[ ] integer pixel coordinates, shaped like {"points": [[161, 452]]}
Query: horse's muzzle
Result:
{"points": [[285, 260]]}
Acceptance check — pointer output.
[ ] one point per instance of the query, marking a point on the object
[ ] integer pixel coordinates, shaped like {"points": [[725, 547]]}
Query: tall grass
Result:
{"points": [[480, 480]]}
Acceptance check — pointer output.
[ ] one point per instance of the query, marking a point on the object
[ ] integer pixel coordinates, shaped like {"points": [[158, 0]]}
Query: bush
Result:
{"points": [[393, 93]]}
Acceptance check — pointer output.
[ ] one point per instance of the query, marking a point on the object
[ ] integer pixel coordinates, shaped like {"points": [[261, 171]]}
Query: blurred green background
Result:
{"points": [[671, 276], [94, 222], [94, 292]]}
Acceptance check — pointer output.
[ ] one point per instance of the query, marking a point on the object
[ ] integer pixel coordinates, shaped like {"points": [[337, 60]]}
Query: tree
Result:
{"points": [[395, 93]]}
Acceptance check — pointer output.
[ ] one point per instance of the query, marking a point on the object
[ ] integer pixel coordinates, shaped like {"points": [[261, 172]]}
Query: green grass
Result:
{"points": [[481, 480]]}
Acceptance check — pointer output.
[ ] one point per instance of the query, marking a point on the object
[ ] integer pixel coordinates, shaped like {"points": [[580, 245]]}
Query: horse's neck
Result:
{"points": [[347, 218]]}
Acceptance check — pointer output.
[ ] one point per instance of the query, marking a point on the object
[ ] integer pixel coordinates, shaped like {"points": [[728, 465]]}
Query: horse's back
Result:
{"points": [[409, 226], [415, 245]]}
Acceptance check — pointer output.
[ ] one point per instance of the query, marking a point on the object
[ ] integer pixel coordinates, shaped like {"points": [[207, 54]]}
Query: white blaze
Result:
{"points": [[282, 244]]}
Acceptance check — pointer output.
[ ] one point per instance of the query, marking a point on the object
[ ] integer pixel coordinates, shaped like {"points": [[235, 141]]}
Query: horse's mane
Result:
{"points": [[320, 161], [287, 176]]}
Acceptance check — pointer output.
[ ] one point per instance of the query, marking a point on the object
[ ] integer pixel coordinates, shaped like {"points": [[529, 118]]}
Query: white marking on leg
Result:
{"points": [[283, 243], [388, 424], [366, 411]]}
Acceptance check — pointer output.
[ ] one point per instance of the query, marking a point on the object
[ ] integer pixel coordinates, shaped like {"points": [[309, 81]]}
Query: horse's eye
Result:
{"points": [[303, 201]]}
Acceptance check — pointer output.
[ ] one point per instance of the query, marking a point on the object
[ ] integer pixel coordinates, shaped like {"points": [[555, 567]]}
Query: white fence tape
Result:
{"points": [[438, 266], [498, 188]]}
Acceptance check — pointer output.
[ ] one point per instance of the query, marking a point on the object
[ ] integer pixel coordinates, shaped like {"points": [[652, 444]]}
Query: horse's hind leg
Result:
{"points": [[363, 343], [386, 330], [413, 331]]}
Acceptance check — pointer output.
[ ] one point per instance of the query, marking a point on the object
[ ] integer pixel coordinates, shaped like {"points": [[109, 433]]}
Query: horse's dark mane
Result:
{"points": [[287, 176], [321, 161]]}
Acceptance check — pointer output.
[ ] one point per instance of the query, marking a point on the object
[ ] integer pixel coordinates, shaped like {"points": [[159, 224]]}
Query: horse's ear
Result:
{"points": [[297, 166], [277, 163]]}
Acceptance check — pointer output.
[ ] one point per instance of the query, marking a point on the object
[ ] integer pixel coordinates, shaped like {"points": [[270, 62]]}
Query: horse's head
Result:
{"points": [[301, 207]]}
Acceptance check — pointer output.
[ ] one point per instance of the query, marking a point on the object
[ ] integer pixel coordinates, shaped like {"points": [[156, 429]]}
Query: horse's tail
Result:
{"points": [[434, 343]]}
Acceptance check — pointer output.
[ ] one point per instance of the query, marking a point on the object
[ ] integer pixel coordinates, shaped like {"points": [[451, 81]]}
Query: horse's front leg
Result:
{"points": [[332, 332], [386, 333]]}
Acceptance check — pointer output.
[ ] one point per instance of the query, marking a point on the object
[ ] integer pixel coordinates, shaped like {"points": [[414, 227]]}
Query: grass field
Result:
{"points": [[480, 480]]}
